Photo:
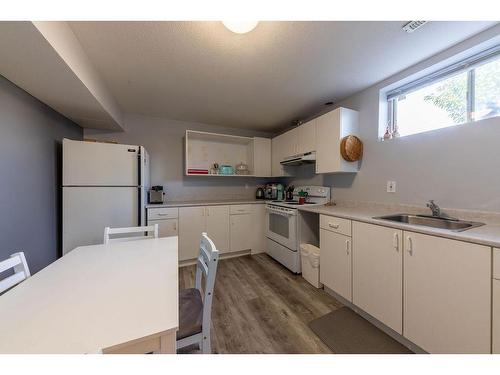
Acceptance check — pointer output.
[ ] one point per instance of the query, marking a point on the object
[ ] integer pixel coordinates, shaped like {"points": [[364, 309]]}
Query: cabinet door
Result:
{"points": [[335, 262], [291, 142], [447, 294], [277, 152], [496, 316], [328, 142], [307, 137], [262, 157], [191, 226], [377, 264], [259, 228], [166, 228], [241, 233], [218, 226]]}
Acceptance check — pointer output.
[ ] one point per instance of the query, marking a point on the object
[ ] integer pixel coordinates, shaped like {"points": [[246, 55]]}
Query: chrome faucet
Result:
{"points": [[436, 211]]}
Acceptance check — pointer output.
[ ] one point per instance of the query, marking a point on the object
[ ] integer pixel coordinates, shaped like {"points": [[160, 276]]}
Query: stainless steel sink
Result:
{"points": [[432, 221]]}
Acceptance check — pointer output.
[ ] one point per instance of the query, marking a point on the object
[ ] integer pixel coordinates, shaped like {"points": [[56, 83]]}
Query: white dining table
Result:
{"points": [[121, 297]]}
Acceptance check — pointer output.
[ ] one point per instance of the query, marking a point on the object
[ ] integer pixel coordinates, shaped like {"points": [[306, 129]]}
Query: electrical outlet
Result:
{"points": [[391, 186]]}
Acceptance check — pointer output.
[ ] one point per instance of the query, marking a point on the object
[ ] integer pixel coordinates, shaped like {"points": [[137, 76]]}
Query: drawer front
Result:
{"points": [[239, 209], [161, 213], [496, 264], [335, 224]]}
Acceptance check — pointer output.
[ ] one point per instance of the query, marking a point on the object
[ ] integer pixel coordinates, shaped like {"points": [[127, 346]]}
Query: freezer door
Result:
{"points": [[99, 164], [88, 210]]}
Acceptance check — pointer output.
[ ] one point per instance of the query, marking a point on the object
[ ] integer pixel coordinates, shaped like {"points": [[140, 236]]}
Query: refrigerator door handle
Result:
{"points": [[140, 187]]}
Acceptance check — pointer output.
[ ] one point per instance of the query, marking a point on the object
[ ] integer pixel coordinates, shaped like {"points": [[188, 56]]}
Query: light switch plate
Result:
{"points": [[391, 186]]}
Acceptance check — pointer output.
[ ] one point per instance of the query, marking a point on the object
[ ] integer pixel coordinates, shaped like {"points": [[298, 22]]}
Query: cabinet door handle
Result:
{"points": [[208, 211], [410, 246], [203, 212], [334, 226], [347, 246], [175, 226], [395, 241]]}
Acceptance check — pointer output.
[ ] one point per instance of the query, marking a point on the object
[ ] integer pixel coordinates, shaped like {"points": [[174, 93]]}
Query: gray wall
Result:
{"points": [[30, 185], [164, 140], [459, 167]]}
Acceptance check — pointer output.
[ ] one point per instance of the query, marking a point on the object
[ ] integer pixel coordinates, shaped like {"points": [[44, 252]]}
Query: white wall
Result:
{"points": [[164, 140], [458, 167]]}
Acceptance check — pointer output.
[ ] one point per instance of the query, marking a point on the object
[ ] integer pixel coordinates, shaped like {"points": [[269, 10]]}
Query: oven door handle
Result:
{"points": [[281, 213]]}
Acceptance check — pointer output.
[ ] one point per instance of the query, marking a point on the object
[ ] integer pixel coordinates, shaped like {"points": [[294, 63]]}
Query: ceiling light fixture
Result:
{"points": [[240, 27]]}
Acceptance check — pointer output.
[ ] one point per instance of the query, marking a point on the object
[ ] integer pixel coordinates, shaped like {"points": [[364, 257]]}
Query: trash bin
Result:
{"points": [[310, 264]]}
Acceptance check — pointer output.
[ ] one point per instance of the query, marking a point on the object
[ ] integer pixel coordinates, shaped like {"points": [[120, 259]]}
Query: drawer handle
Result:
{"points": [[163, 214], [334, 226]]}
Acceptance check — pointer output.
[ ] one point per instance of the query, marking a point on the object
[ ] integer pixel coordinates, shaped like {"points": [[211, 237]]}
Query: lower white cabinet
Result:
{"points": [[335, 270], [241, 232], [217, 226], [231, 227], [258, 228], [378, 273], [447, 294], [166, 228], [191, 224], [496, 317]]}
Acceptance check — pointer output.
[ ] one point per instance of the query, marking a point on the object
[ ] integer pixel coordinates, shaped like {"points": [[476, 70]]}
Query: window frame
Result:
{"points": [[470, 64]]}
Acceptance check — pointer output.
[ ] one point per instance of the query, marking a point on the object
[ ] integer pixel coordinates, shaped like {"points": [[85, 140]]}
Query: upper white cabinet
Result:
{"points": [[262, 157], [378, 272], [278, 148], [306, 137], [203, 149], [447, 294], [323, 135], [330, 129]]}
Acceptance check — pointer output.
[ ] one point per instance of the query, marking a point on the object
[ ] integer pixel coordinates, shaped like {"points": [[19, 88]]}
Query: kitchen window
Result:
{"points": [[464, 92]]}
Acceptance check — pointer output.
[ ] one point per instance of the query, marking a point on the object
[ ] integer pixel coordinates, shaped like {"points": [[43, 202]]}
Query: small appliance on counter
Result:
{"points": [[156, 195], [271, 191], [281, 192], [259, 194]]}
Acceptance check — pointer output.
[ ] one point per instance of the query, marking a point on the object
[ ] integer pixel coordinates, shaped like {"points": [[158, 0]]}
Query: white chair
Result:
{"points": [[194, 311], [130, 230], [17, 261]]}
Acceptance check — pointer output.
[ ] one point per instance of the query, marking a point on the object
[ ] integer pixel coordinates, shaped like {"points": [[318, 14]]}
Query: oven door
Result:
{"points": [[281, 226]]}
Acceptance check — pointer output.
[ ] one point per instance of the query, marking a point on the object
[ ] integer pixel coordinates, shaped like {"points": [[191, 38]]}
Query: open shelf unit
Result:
{"points": [[203, 149]]}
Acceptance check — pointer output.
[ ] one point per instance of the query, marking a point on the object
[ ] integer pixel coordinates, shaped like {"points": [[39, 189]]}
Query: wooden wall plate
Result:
{"points": [[351, 148]]}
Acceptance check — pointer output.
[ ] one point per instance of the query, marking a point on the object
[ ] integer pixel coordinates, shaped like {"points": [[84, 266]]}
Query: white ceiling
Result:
{"points": [[200, 71], [281, 71]]}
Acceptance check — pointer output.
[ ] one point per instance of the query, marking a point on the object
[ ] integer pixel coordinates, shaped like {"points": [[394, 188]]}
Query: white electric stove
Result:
{"points": [[282, 225]]}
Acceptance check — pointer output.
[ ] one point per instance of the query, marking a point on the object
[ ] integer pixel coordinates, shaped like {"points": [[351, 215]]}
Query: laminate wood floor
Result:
{"points": [[261, 307]]}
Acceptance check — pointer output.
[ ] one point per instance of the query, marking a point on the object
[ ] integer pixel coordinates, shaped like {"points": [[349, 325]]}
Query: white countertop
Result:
{"points": [[208, 202], [94, 298], [488, 234]]}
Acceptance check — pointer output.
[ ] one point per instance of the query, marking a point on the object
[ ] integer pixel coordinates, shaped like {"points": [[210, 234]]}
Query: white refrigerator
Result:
{"points": [[104, 185]]}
